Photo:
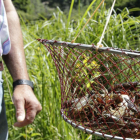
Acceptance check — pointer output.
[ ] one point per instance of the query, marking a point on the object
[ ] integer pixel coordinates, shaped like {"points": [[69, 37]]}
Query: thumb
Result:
{"points": [[20, 111]]}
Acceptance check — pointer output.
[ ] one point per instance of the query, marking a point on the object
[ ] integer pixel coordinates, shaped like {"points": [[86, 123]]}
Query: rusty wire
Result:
{"points": [[100, 90]]}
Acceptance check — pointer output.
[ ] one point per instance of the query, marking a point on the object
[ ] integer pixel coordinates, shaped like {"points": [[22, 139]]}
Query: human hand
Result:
{"points": [[26, 104]]}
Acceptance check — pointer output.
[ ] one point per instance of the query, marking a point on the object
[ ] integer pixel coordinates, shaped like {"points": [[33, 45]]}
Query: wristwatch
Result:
{"points": [[23, 82]]}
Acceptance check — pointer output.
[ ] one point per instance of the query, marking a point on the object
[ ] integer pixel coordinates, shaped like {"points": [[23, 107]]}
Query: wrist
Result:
{"points": [[23, 82]]}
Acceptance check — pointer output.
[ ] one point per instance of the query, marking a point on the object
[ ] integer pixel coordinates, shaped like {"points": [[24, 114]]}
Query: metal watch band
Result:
{"points": [[23, 82]]}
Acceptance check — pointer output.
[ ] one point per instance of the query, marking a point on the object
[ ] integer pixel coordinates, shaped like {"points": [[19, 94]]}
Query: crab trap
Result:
{"points": [[100, 90]]}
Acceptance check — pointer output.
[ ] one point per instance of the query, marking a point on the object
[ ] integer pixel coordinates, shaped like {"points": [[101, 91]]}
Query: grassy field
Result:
{"points": [[123, 32]]}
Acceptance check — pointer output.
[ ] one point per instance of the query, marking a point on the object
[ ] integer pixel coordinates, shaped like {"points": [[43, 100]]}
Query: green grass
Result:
{"points": [[123, 32]]}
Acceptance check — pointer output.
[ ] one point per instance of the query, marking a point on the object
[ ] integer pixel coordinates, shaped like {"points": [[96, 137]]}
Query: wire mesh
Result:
{"points": [[100, 90]]}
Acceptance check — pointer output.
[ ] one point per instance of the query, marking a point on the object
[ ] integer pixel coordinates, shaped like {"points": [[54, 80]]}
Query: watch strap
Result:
{"points": [[23, 82]]}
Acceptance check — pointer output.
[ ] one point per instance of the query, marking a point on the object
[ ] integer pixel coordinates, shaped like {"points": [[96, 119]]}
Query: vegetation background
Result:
{"points": [[62, 20], [37, 9]]}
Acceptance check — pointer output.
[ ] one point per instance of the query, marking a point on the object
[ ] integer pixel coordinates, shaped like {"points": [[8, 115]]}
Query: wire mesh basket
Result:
{"points": [[100, 90]]}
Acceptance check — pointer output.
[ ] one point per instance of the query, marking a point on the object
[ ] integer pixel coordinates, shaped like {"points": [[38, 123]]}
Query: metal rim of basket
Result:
{"points": [[130, 53], [90, 131]]}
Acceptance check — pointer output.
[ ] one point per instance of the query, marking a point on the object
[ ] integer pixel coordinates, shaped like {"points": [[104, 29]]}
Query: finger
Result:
{"points": [[30, 116], [22, 124], [39, 109], [37, 112], [20, 110]]}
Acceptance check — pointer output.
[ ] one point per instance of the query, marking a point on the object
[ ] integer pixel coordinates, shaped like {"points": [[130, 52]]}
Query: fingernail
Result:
{"points": [[20, 118]]}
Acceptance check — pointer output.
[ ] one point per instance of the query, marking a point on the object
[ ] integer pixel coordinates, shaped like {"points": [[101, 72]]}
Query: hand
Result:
{"points": [[26, 104]]}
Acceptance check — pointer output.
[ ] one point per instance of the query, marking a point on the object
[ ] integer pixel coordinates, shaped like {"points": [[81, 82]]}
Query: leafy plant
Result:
{"points": [[86, 72]]}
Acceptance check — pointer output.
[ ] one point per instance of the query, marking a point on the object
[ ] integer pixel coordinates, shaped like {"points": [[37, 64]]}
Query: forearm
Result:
{"points": [[15, 60], [26, 104]]}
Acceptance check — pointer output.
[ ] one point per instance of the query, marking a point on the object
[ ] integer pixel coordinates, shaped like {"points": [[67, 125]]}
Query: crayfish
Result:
{"points": [[110, 108]]}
